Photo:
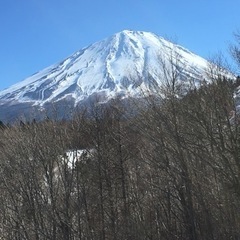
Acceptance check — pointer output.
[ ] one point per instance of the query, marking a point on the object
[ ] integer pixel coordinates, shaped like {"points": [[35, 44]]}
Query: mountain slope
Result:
{"points": [[124, 64]]}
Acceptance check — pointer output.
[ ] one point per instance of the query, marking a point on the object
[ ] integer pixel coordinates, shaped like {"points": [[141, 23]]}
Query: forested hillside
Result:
{"points": [[171, 172]]}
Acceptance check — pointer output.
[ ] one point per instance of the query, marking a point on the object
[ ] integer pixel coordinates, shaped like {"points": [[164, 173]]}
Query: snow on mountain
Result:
{"points": [[125, 64]]}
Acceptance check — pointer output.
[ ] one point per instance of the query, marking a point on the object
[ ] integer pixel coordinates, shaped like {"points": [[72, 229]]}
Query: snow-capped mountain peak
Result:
{"points": [[122, 64]]}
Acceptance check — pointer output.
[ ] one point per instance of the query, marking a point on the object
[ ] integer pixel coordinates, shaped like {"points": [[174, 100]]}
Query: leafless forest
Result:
{"points": [[171, 171]]}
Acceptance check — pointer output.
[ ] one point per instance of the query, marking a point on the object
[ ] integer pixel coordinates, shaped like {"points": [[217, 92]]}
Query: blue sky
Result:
{"points": [[37, 33]]}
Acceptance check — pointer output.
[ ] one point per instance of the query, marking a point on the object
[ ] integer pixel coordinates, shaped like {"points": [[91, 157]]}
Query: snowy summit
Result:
{"points": [[125, 64]]}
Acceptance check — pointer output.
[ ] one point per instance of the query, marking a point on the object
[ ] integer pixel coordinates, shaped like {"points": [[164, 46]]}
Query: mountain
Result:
{"points": [[125, 64]]}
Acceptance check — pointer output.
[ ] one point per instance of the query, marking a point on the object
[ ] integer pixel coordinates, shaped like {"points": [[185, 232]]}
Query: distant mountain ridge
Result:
{"points": [[124, 64]]}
